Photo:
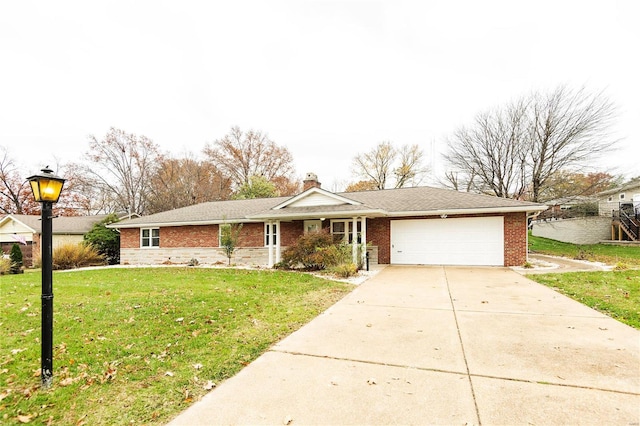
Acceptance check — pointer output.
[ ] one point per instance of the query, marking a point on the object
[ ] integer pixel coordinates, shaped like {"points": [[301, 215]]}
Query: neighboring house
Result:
{"points": [[26, 229], [420, 225], [623, 206], [609, 201]]}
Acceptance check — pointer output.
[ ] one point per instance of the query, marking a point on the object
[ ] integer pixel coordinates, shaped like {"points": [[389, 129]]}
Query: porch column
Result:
{"points": [[354, 241], [269, 229], [364, 240], [278, 251]]}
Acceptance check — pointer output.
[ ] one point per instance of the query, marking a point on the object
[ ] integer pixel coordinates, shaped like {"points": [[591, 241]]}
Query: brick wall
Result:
{"points": [[379, 235], [515, 239]]}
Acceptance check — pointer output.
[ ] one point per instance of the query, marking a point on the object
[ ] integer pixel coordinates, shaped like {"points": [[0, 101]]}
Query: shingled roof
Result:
{"points": [[69, 225], [389, 202]]}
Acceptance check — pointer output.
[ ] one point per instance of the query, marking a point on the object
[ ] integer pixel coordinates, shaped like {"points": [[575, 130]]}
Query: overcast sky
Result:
{"points": [[327, 79]]}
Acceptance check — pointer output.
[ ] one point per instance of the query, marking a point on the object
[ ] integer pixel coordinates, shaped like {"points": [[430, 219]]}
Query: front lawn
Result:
{"points": [[140, 345], [616, 293]]}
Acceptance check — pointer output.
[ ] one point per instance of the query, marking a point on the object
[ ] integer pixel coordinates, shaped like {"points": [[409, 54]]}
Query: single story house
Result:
{"points": [[26, 230], [420, 225]]}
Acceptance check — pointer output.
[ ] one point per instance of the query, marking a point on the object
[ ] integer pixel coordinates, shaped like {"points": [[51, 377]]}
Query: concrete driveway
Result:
{"points": [[440, 345]]}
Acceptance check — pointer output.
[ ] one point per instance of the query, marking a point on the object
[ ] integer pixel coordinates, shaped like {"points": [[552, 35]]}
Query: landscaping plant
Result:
{"points": [[15, 256]]}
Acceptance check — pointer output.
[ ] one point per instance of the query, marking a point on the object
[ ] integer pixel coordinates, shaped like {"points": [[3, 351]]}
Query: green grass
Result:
{"points": [[616, 294], [140, 345], [609, 254]]}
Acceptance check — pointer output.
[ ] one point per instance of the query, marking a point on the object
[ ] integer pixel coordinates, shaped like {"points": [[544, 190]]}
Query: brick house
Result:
{"points": [[420, 225]]}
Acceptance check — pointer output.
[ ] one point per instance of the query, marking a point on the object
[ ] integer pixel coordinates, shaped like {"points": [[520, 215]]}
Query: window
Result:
{"points": [[622, 196], [312, 226], [610, 198], [150, 237], [270, 234], [342, 230]]}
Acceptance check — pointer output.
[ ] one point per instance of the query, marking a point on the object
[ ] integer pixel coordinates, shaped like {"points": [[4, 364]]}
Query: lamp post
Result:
{"points": [[46, 189]]}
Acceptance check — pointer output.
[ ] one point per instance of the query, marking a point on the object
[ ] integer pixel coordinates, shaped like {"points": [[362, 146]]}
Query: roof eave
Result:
{"points": [[481, 210], [321, 214], [119, 225]]}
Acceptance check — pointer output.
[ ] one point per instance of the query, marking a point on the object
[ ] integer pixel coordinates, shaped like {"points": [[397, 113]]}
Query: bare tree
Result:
{"points": [[514, 150], [122, 166], [241, 155], [490, 155], [410, 168], [375, 165], [15, 192], [180, 182], [385, 164], [567, 129]]}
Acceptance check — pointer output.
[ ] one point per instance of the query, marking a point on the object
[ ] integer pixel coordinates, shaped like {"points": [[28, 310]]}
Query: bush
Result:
{"points": [[105, 240], [15, 256], [310, 251], [345, 270], [70, 256], [5, 265], [317, 251]]}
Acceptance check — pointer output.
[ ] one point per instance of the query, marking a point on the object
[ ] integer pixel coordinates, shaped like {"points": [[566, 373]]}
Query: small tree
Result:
{"points": [[229, 235], [16, 259]]}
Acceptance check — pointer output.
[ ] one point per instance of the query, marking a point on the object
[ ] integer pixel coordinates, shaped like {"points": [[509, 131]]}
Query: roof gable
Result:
{"points": [[316, 197]]}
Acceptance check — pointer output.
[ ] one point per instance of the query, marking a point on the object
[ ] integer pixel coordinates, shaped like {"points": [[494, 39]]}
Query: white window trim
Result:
{"points": [[150, 238], [348, 229]]}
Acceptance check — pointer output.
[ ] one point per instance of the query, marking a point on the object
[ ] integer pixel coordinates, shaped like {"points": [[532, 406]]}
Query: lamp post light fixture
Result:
{"points": [[46, 189]]}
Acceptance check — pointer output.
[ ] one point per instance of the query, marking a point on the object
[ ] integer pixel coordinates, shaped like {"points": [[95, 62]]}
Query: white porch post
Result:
{"points": [[278, 241], [354, 241], [364, 240], [269, 230]]}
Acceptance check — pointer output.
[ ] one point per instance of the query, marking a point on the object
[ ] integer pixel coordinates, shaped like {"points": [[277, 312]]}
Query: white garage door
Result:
{"points": [[450, 241]]}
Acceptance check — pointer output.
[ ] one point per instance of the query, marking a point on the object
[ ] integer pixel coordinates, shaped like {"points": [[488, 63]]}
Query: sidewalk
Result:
{"points": [[440, 345]]}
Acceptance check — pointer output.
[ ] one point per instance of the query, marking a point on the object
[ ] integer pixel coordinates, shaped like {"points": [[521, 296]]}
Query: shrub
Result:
{"points": [[15, 257], [69, 256], [105, 240], [5, 265], [309, 251], [345, 270]]}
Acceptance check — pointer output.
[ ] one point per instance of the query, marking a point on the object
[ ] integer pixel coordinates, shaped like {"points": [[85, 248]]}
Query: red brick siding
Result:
{"points": [[130, 238], [515, 239], [379, 234], [189, 236], [290, 231], [251, 235]]}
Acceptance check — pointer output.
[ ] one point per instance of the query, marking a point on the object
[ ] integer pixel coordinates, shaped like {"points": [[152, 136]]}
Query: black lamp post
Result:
{"points": [[46, 189]]}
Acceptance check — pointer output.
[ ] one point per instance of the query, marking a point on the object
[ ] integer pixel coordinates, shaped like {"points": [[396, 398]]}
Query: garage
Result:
{"points": [[448, 241]]}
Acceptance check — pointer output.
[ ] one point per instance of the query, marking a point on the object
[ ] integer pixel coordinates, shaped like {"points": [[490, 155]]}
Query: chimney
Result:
{"points": [[311, 181]]}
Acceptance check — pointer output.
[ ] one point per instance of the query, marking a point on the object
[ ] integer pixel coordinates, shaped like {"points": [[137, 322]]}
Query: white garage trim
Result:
{"points": [[450, 241]]}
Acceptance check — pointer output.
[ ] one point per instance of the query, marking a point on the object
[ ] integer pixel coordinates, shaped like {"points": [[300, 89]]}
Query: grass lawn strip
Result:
{"points": [[616, 293], [140, 345]]}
